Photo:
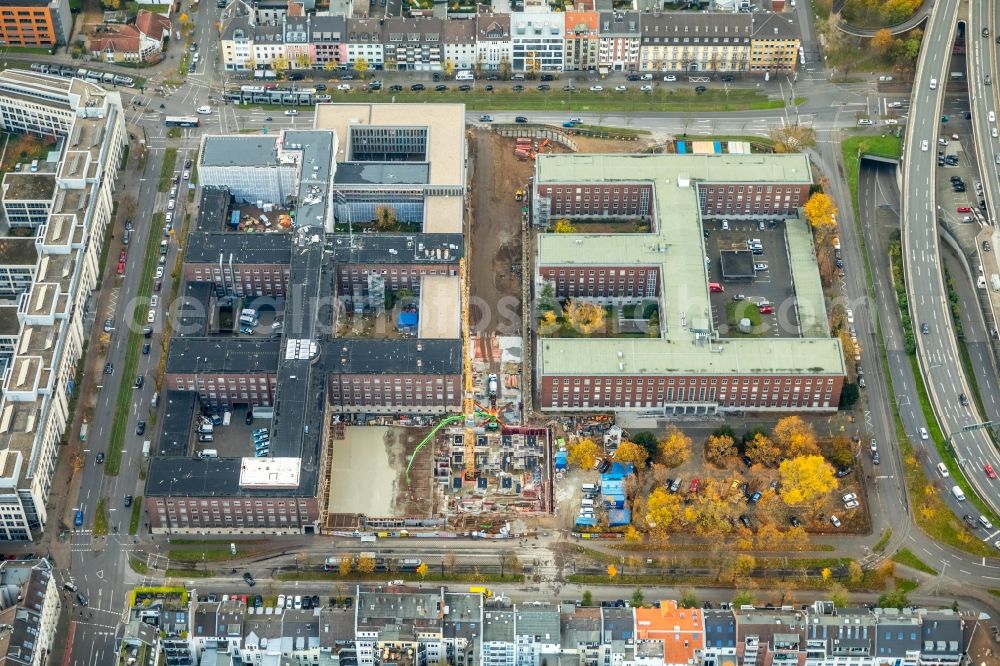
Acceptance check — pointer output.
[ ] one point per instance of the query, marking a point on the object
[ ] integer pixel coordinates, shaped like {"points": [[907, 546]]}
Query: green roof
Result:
{"points": [[677, 247]]}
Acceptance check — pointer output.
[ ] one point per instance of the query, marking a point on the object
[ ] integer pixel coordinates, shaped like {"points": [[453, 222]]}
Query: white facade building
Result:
{"points": [[537, 41], [37, 385]]}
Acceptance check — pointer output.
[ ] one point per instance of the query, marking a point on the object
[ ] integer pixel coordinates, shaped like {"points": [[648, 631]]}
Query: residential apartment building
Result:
{"points": [[581, 41], [37, 384], [35, 23], [619, 41], [29, 611], [695, 42], [534, 40], [413, 44], [493, 44], [365, 41], [328, 36], [405, 624], [537, 41], [672, 370], [460, 44], [775, 47]]}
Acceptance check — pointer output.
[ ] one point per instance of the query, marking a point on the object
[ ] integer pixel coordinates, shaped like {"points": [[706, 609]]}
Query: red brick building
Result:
{"points": [[231, 513]]}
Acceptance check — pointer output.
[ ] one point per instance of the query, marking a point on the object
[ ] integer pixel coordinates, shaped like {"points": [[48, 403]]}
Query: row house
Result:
{"points": [[537, 40], [459, 44], [689, 42], [413, 44], [493, 46], [619, 41], [364, 42], [581, 41], [407, 624]]}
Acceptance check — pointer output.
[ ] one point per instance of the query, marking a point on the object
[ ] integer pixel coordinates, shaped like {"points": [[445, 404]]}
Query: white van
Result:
{"points": [[204, 110], [590, 488], [943, 470], [957, 493], [587, 504], [465, 75], [209, 453]]}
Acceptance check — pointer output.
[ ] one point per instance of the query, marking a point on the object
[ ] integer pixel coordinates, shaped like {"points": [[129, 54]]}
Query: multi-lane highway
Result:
{"points": [[982, 67], [937, 347]]}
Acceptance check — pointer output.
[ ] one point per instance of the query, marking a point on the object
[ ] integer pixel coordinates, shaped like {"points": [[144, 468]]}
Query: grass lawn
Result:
{"points": [[883, 540], [101, 518], [124, 401], [736, 310], [852, 149], [138, 566], [193, 550], [906, 557], [188, 573], [133, 523], [167, 170], [579, 101]]}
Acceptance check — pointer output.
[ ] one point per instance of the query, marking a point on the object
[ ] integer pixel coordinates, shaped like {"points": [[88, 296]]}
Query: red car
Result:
{"points": [[964, 209], [988, 468], [694, 487], [766, 309]]}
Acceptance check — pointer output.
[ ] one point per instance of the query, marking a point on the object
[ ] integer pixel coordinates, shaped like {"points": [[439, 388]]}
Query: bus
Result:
{"points": [[181, 121]]}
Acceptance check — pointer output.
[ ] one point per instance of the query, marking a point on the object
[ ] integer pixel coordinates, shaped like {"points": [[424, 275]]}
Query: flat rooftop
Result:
{"points": [[404, 357], [316, 165], [242, 355], [687, 343], [395, 248], [269, 472], [240, 248], [252, 150], [445, 125], [178, 416], [444, 215], [28, 186], [382, 173], [212, 208], [809, 299], [440, 307], [18, 251]]}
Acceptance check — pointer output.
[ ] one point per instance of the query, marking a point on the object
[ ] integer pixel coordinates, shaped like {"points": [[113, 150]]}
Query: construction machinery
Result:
{"points": [[467, 392], [519, 195]]}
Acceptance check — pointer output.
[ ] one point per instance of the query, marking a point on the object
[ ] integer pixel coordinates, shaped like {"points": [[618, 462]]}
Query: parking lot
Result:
{"points": [[949, 199], [772, 281], [231, 441]]}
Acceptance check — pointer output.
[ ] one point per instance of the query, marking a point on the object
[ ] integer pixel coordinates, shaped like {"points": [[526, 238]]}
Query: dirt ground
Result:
{"points": [[496, 270], [496, 231], [419, 497]]}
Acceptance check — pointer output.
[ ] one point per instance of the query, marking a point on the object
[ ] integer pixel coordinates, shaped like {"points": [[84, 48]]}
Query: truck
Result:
{"points": [[368, 538], [491, 385], [477, 589], [227, 416], [83, 431], [146, 446]]}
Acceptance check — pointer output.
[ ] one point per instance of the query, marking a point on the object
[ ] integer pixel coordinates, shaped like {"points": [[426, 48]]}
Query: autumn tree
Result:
{"points": [[612, 571], [675, 447], [360, 65], [840, 452], [279, 63], [632, 535], [660, 473], [718, 448], [805, 479], [745, 564], [689, 599], [793, 138], [583, 453], [821, 213], [385, 218], [422, 570], [583, 316], [762, 451], [662, 508], [882, 41], [630, 452], [548, 322], [564, 226], [345, 566], [795, 437], [854, 572], [330, 66], [365, 564], [839, 596]]}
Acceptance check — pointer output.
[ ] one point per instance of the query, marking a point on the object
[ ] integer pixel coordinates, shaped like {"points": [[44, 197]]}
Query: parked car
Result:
{"points": [[140, 427], [249, 579]]}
